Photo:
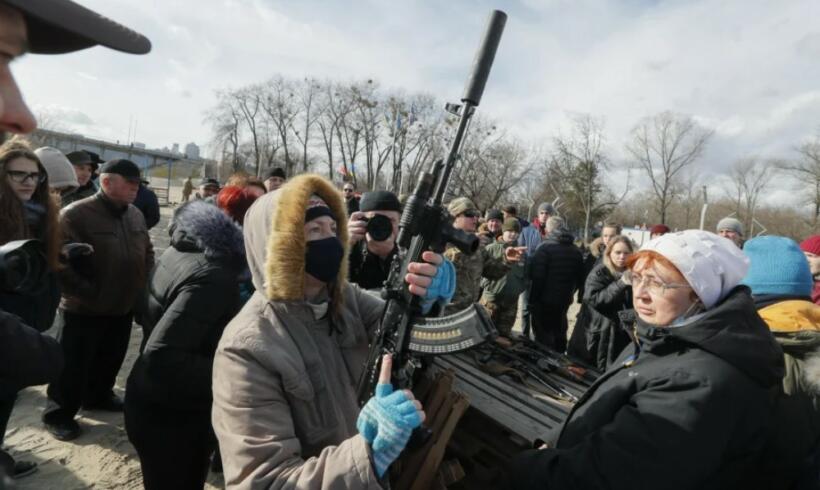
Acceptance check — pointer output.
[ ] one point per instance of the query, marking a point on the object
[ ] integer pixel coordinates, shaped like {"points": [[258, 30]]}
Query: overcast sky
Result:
{"points": [[748, 69]]}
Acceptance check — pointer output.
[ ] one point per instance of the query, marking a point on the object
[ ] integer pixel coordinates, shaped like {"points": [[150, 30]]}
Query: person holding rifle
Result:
{"points": [[285, 408]]}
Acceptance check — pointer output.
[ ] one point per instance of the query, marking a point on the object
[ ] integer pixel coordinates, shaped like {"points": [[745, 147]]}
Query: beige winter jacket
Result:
{"points": [[284, 381]]}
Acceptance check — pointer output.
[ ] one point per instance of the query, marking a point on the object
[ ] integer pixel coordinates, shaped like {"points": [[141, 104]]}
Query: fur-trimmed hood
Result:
{"points": [[202, 227], [275, 238]]}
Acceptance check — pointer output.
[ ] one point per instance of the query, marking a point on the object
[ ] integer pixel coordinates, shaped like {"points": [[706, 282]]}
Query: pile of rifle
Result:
{"points": [[518, 392]]}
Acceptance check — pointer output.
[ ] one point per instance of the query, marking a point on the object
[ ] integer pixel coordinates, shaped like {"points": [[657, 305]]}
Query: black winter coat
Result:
{"points": [[368, 270], [604, 296], [148, 204], [688, 410], [193, 293], [27, 357], [352, 205], [36, 308], [556, 270]]}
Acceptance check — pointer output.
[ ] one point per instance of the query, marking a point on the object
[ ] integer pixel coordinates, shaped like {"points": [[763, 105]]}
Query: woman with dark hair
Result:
{"points": [[605, 295], [27, 211]]}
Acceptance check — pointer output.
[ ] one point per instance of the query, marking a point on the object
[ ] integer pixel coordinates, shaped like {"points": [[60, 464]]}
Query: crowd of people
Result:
{"points": [[256, 321]]}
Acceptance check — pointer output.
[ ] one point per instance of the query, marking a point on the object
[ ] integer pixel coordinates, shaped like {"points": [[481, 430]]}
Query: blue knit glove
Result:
{"points": [[386, 422], [442, 289]]}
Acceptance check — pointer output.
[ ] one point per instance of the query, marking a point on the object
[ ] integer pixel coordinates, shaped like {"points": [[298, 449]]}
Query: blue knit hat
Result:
{"points": [[778, 266]]}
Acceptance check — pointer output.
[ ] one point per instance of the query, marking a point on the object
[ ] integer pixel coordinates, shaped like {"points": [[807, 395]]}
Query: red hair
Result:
{"points": [[651, 257], [235, 201]]}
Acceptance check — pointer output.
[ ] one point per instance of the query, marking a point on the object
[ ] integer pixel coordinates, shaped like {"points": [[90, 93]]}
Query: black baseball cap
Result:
{"points": [[62, 26], [123, 167], [209, 182]]}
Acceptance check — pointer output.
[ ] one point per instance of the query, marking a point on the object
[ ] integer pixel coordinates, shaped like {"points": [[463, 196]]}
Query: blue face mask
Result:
{"points": [[323, 258]]}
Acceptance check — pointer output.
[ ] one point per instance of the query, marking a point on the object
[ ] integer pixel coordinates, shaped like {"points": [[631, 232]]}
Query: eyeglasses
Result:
{"points": [[652, 285], [470, 214], [21, 177]]}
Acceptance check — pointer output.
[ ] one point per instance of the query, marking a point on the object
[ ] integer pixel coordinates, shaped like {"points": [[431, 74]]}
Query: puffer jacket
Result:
{"points": [[123, 256], [508, 287], [689, 409], [285, 370], [604, 297], [192, 294], [793, 453]]}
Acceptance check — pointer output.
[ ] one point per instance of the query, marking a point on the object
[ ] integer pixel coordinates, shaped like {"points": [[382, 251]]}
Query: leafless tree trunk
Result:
{"points": [[580, 164], [806, 171], [225, 120], [749, 177], [247, 100], [308, 94], [279, 104], [662, 146]]}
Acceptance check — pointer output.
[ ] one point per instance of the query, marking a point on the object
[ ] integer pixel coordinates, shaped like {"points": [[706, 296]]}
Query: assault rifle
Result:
{"points": [[426, 225]]}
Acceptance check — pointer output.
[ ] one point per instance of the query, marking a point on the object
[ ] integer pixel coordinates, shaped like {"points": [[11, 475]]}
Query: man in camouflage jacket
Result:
{"points": [[471, 268]]}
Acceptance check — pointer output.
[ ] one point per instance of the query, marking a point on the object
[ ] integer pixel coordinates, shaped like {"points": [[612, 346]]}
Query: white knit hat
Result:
{"points": [[59, 169], [712, 265]]}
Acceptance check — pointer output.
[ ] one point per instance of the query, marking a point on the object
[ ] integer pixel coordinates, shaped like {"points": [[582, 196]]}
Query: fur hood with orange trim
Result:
{"points": [[275, 239]]}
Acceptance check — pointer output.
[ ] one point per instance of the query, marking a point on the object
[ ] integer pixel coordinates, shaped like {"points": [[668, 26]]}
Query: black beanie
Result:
{"points": [[277, 172], [495, 214], [379, 201]]}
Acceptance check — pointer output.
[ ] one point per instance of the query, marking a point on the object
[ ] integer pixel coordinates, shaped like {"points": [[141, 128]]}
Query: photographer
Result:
{"points": [[376, 222]]}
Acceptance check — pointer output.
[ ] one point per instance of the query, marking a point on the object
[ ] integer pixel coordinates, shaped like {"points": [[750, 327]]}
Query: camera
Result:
{"points": [[379, 227], [22, 266]]}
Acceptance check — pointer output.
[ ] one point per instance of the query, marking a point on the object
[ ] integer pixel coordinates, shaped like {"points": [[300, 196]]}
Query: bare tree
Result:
{"points": [[334, 107], [662, 146], [806, 170], [247, 100], [580, 165], [691, 190], [748, 178], [225, 121], [308, 95], [278, 102]]}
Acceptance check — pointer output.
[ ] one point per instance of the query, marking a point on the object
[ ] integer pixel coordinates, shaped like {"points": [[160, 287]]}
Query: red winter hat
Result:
{"points": [[811, 245]]}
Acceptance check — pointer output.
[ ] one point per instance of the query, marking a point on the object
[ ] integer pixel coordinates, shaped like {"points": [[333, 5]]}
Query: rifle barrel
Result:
{"points": [[484, 58]]}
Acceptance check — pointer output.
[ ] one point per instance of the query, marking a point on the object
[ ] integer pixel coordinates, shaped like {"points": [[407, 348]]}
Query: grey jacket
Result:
{"points": [[284, 373]]}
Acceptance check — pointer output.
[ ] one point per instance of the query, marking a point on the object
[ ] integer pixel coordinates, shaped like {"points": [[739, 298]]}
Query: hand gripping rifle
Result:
{"points": [[426, 225]]}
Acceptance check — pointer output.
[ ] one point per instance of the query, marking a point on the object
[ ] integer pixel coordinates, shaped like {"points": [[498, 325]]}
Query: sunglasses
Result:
{"points": [[470, 214], [21, 177]]}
